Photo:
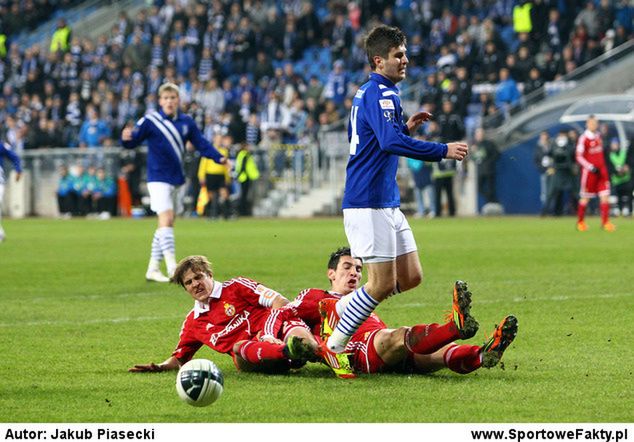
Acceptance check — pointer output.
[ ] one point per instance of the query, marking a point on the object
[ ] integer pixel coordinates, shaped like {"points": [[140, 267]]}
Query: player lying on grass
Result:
{"points": [[240, 317], [421, 348]]}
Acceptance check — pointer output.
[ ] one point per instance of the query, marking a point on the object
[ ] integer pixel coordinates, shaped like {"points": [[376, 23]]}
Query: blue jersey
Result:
{"points": [[166, 138], [5, 151], [378, 135]]}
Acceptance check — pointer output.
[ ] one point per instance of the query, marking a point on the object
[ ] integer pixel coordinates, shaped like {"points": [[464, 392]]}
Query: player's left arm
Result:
{"points": [[415, 121], [171, 363], [15, 159], [204, 147], [385, 119]]}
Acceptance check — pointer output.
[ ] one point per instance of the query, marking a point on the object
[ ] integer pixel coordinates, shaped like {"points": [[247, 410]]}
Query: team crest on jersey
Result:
{"points": [[230, 310], [386, 104]]}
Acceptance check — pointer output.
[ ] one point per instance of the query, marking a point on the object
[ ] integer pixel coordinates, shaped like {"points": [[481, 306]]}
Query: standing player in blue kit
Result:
{"points": [[166, 131], [376, 229]]}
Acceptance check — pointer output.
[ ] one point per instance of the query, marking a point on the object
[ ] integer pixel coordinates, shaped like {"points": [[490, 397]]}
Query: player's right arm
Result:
{"points": [[132, 136], [171, 363], [187, 346], [581, 159]]}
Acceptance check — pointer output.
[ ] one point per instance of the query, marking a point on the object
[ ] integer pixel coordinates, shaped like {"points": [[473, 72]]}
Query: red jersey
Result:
{"points": [[306, 305], [237, 310], [589, 152], [589, 156]]}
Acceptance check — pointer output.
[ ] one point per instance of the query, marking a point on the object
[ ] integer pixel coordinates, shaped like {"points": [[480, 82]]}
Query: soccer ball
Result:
{"points": [[199, 382]]}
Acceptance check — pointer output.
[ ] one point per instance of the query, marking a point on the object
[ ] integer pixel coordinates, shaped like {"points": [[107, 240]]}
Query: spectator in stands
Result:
{"points": [[94, 131], [562, 173], [443, 175], [104, 195], [423, 188], [216, 178], [247, 173], [66, 196], [431, 94], [336, 87], [533, 84], [621, 176], [544, 163], [589, 18], [491, 63], [61, 37], [137, 54], [506, 92], [485, 155], [450, 123]]}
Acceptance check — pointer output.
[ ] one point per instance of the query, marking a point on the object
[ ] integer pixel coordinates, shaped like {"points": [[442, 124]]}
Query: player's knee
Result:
{"points": [[394, 341]]}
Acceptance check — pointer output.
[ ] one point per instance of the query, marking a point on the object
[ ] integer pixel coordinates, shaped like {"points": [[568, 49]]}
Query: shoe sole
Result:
{"points": [[470, 325], [490, 358]]}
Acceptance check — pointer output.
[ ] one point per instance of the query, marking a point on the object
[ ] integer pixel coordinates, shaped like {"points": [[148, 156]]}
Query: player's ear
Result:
{"points": [[331, 274]]}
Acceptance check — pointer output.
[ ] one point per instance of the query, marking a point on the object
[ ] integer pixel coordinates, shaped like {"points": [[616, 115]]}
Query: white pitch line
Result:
{"points": [[91, 321], [94, 297], [526, 298]]}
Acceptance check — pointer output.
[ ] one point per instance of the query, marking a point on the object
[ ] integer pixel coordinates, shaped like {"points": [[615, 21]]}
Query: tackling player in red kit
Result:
{"points": [[595, 179], [421, 348], [239, 317]]}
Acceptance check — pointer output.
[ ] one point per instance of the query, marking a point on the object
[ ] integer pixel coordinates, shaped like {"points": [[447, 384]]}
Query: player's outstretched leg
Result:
{"points": [[425, 339], [338, 362], [503, 335], [461, 311]]}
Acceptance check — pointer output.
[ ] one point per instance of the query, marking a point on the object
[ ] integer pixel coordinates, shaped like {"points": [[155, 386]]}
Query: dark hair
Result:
{"points": [[380, 40], [335, 256]]}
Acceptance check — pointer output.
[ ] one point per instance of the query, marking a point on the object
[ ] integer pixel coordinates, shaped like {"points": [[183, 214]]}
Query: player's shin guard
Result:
{"points": [[581, 212], [427, 338], [257, 352], [463, 359]]}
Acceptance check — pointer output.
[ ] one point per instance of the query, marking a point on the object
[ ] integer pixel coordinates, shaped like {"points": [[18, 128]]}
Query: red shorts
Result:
{"points": [[365, 359], [593, 184]]}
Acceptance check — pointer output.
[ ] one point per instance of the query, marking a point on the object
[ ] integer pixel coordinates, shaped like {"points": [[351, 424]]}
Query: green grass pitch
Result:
{"points": [[76, 312]]}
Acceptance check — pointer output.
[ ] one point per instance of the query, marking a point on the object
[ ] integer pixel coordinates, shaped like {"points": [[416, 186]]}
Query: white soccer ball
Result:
{"points": [[199, 382]]}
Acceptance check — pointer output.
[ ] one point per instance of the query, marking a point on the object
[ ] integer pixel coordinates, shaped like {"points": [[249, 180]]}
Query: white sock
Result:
{"points": [[156, 254], [168, 247], [359, 307]]}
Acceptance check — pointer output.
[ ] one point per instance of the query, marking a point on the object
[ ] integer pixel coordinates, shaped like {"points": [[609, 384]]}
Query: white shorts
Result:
{"points": [[162, 196], [378, 235]]}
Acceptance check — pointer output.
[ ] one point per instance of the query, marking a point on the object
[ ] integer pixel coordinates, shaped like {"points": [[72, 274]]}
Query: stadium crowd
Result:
{"points": [[271, 71]]}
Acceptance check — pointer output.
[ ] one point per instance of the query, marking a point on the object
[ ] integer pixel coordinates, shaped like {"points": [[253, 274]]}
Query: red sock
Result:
{"points": [[605, 212], [463, 359], [425, 339], [581, 212], [256, 352]]}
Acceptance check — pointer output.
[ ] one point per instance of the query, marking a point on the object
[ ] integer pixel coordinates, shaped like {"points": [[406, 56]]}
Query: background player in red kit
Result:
{"points": [[418, 349], [240, 317], [595, 179]]}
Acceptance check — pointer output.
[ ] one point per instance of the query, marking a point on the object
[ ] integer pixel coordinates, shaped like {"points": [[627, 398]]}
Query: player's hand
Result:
{"points": [[146, 368], [457, 151], [417, 119], [271, 339], [17, 176], [126, 134]]}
